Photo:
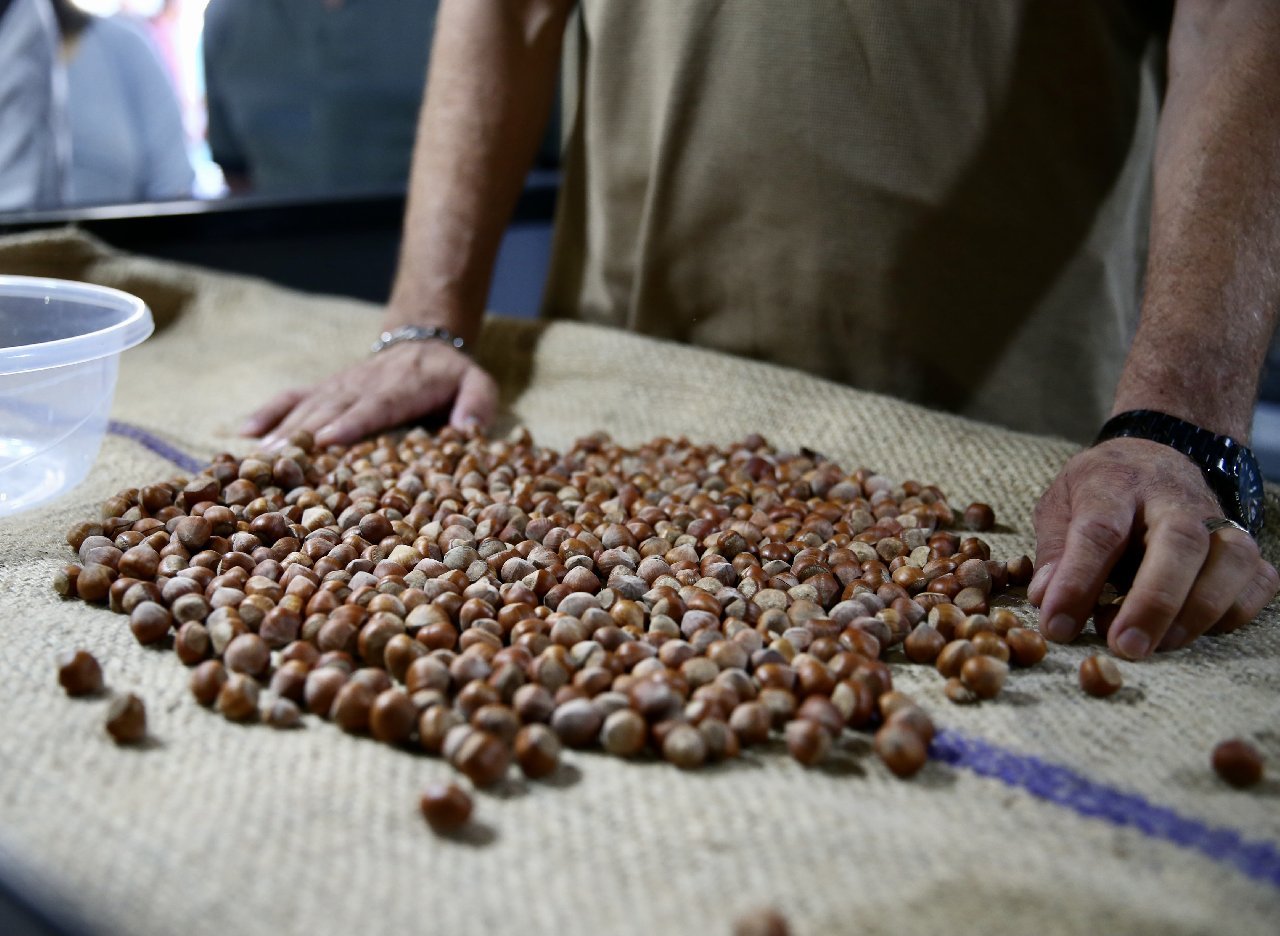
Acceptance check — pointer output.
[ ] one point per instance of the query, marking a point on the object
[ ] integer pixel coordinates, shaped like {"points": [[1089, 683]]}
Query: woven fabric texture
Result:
{"points": [[1044, 811]]}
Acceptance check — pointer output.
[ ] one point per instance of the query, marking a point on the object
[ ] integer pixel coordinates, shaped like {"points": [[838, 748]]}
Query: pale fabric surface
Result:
{"points": [[942, 201], [217, 828]]}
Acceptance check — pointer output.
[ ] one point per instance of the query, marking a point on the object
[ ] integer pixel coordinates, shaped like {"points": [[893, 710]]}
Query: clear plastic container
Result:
{"points": [[60, 345]]}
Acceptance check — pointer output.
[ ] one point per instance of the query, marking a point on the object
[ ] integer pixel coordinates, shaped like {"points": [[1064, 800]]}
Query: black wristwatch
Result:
{"points": [[1230, 468]]}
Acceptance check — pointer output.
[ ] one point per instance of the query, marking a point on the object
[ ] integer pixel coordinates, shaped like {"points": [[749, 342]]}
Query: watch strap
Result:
{"points": [[1225, 462]]}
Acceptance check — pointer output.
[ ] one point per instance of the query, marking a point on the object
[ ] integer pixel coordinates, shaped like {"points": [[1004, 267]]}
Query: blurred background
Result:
{"points": [[273, 137]]}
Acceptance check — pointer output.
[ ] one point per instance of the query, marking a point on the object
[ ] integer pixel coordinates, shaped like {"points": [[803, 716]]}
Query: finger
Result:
{"points": [[279, 406], [477, 399], [1052, 520], [1255, 596], [1227, 571], [1039, 583], [365, 416], [1176, 548], [1095, 540], [311, 414]]}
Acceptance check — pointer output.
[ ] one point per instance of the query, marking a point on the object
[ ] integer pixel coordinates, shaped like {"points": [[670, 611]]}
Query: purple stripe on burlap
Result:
{"points": [[1064, 787], [157, 445]]}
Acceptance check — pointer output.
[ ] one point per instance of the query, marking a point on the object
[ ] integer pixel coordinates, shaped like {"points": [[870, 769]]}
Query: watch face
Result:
{"points": [[1249, 481]]}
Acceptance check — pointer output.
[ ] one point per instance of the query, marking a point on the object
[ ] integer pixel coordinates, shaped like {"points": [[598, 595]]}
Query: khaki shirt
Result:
{"points": [[945, 201]]}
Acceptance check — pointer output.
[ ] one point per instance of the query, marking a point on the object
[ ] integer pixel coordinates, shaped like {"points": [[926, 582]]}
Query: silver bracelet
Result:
{"points": [[417, 333]]}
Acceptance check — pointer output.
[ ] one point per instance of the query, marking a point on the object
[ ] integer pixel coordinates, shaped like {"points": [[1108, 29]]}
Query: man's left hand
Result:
{"points": [[1126, 493]]}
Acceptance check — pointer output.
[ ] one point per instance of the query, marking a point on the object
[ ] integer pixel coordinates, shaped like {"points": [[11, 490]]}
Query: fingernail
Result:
{"points": [[1038, 580], [1060, 628], [1176, 637], [1134, 644]]}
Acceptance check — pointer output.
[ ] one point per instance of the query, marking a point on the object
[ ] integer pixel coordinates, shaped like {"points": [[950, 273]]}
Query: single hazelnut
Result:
{"points": [[79, 673], [1100, 676], [127, 719], [284, 714], [984, 675], [392, 717], [537, 751], [624, 733], [684, 746], [1238, 763], [900, 748], [483, 758], [238, 698], [446, 807], [807, 741]]}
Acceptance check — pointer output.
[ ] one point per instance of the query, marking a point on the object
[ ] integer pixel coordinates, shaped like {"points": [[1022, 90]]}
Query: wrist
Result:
{"points": [[1228, 466], [410, 306]]}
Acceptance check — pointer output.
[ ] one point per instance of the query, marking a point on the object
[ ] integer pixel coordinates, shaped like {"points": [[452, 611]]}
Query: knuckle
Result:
{"points": [[1185, 535], [1103, 533], [1239, 550], [1203, 608], [1154, 604]]}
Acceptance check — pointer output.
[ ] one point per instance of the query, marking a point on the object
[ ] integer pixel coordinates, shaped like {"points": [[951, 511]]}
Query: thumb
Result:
{"points": [[477, 399]]}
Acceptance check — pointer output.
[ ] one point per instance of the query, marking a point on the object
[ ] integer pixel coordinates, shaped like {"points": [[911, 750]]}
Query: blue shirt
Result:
{"points": [[127, 139]]}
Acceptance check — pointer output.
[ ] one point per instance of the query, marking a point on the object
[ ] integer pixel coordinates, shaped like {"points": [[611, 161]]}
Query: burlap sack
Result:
{"points": [[1045, 811]]}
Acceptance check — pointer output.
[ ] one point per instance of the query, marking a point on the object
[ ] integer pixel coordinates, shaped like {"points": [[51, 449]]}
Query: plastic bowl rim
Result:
{"points": [[138, 320]]}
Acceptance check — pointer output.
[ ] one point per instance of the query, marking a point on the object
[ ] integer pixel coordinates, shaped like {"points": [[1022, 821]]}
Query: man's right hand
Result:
{"points": [[407, 381]]}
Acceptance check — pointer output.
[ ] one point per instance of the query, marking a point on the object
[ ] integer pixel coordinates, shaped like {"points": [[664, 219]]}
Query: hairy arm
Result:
{"points": [[1209, 308], [490, 89]]}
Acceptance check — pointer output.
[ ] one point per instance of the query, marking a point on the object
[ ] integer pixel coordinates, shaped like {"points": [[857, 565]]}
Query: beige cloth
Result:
{"points": [[942, 201], [217, 828]]}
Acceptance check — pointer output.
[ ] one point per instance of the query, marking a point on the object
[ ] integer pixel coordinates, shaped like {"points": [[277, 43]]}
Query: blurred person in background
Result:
{"points": [[33, 132], [315, 96], [127, 138]]}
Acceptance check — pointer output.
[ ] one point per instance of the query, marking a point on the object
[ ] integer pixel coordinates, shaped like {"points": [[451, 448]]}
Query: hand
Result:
{"points": [[1109, 499], [404, 382]]}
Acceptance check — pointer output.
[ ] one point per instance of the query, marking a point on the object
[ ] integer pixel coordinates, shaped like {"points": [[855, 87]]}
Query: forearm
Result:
{"points": [[1213, 279], [492, 82]]}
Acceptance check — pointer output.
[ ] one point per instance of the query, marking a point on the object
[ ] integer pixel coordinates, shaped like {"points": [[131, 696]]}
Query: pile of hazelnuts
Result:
{"points": [[493, 601]]}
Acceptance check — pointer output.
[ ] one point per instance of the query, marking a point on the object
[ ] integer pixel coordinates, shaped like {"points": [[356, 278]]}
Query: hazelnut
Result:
{"points": [[351, 707], [577, 722], [900, 748], [127, 719], [761, 922], [248, 654], [1100, 676], [284, 714], [751, 722], [1238, 763], [207, 680], [446, 807], [1026, 646], [624, 733], [79, 673], [807, 741], [924, 644], [392, 717], [238, 698], [684, 746], [537, 751], [984, 675], [482, 757]]}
